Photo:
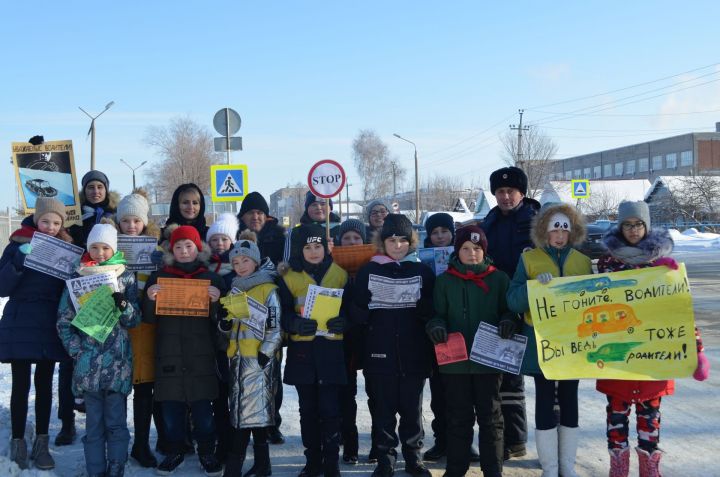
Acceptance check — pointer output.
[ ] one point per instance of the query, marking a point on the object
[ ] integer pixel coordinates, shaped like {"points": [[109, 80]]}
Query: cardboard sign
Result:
{"points": [[99, 315], [452, 351], [183, 297], [635, 324], [53, 256], [47, 170]]}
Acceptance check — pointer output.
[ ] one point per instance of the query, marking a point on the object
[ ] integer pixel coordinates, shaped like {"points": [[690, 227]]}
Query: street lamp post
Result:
{"points": [[133, 169], [417, 187], [91, 132]]}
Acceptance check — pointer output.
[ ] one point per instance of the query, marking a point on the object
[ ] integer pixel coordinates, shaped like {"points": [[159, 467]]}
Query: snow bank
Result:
{"points": [[692, 240]]}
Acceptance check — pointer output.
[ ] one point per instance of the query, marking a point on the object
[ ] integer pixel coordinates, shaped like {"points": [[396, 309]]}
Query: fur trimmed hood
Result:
{"points": [[656, 244], [540, 223], [113, 200], [203, 257]]}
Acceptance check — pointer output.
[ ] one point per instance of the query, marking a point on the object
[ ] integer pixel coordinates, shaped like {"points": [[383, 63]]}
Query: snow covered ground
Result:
{"points": [[689, 435]]}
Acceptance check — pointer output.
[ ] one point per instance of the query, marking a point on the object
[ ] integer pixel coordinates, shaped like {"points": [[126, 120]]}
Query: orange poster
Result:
{"points": [[183, 297], [452, 351]]}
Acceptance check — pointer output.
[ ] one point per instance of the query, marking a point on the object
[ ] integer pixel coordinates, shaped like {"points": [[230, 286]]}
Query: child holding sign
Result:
{"points": [[315, 364], [252, 377], [185, 347], [471, 291], [132, 218], [634, 244], [27, 330], [102, 373], [555, 230]]}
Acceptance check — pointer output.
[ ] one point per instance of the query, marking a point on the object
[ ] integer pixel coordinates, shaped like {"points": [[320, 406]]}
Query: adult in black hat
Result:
{"points": [[507, 227], [255, 215]]}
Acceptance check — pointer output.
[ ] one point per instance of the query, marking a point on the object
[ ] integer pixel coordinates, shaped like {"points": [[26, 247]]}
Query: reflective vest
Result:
{"points": [[537, 261], [298, 283], [242, 337]]}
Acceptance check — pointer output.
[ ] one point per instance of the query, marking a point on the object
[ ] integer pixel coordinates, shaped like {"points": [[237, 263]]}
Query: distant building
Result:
{"points": [[683, 200], [697, 153]]}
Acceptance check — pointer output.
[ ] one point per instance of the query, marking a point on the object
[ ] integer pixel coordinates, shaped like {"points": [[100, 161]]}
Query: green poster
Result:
{"points": [[98, 316]]}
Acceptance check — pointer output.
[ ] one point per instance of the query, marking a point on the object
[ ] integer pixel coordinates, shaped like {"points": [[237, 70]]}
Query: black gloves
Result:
{"points": [[336, 325], [19, 260], [303, 326], [120, 301], [508, 326], [262, 359], [156, 258], [222, 313], [225, 325], [437, 334]]}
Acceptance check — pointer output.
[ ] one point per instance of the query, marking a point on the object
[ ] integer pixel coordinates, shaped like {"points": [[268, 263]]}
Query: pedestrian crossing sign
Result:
{"points": [[228, 182], [580, 188]]}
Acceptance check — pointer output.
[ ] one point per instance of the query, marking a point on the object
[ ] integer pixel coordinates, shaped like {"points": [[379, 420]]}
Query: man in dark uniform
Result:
{"points": [[507, 227]]}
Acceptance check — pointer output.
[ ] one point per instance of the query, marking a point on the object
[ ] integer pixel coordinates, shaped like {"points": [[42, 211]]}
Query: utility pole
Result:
{"points": [[340, 205], [394, 165], [519, 128], [347, 198]]}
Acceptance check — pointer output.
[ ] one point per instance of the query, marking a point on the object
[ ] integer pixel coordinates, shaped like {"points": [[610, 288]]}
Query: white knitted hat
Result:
{"points": [[103, 233], [226, 224], [133, 204]]}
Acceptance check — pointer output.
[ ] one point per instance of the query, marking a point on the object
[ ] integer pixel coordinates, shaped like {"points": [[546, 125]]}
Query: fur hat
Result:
{"points": [[509, 177], [311, 198], [186, 232], [246, 246], [638, 209], [353, 225], [396, 225], [103, 233], [254, 201], [95, 176], [135, 205], [470, 233], [541, 222], [226, 224], [45, 205]]}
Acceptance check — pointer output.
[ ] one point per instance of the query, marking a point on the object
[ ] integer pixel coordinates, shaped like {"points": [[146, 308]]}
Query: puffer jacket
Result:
{"points": [[396, 342], [252, 387], [28, 326], [461, 305], [142, 336], [655, 245], [101, 366], [185, 346], [93, 214]]}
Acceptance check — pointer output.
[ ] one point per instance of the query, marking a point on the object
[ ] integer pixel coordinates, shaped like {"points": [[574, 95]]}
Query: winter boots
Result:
{"points": [[18, 453], [115, 468], [142, 415], [547, 449], [649, 462], [67, 433], [40, 453], [619, 462], [261, 465], [567, 449]]}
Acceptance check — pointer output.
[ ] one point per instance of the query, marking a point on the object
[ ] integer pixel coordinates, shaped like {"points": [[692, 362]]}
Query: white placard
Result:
{"points": [[83, 285], [53, 256], [258, 318], [394, 292], [138, 250], [491, 350], [326, 178]]}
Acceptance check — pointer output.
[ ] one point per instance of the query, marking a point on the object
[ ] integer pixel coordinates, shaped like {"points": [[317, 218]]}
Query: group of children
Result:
{"points": [[211, 369]]}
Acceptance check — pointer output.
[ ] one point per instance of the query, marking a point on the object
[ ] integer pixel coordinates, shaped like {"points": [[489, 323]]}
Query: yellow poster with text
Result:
{"points": [[635, 324]]}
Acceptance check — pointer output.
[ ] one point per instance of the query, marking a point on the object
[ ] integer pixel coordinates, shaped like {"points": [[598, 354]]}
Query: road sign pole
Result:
{"points": [[227, 137], [327, 220]]}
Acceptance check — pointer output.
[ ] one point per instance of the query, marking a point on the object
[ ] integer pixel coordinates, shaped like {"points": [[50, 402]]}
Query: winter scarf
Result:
{"points": [[256, 278], [656, 244], [470, 274], [383, 259], [186, 270]]}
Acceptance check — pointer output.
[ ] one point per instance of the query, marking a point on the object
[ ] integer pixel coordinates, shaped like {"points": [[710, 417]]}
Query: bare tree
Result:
{"points": [[187, 152], [440, 192], [374, 165], [538, 149], [296, 199], [602, 204]]}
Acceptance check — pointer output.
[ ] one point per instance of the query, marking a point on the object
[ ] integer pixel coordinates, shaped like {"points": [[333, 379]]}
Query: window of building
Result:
{"points": [[607, 172], [618, 168], [643, 164], [586, 173], [671, 161], [597, 172], [577, 174], [657, 163], [686, 158], [568, 175], [630, 167]]}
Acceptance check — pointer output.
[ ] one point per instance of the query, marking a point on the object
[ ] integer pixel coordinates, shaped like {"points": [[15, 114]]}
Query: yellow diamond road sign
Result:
{"points": [[228, 183], [580, 188]]}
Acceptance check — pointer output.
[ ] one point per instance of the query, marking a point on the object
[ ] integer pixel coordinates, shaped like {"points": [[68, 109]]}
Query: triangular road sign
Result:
{"points": [[229, 186]]}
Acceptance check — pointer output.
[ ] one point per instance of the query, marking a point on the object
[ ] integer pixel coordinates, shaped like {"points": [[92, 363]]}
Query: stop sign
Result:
{"points": [[326, 178]]}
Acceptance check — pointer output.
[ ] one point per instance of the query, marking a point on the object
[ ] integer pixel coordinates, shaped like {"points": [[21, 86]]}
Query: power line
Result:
{"points": [[625, 88], [437, 151], [635, 115]]}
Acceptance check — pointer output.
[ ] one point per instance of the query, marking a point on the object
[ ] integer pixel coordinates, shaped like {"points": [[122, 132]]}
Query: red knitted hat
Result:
{"points": [[186, 232]]}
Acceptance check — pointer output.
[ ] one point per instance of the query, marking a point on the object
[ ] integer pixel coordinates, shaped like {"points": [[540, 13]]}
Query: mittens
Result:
{"points": [[666, 261], [156, 258], [120, 301], [507, 327], [225, 325], [544, 278], [702, 372], [437, 334], [336, 325], [303, 326]]}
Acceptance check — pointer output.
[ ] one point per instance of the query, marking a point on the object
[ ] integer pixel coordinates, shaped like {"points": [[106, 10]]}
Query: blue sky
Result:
{"points": [[307, 76]]}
